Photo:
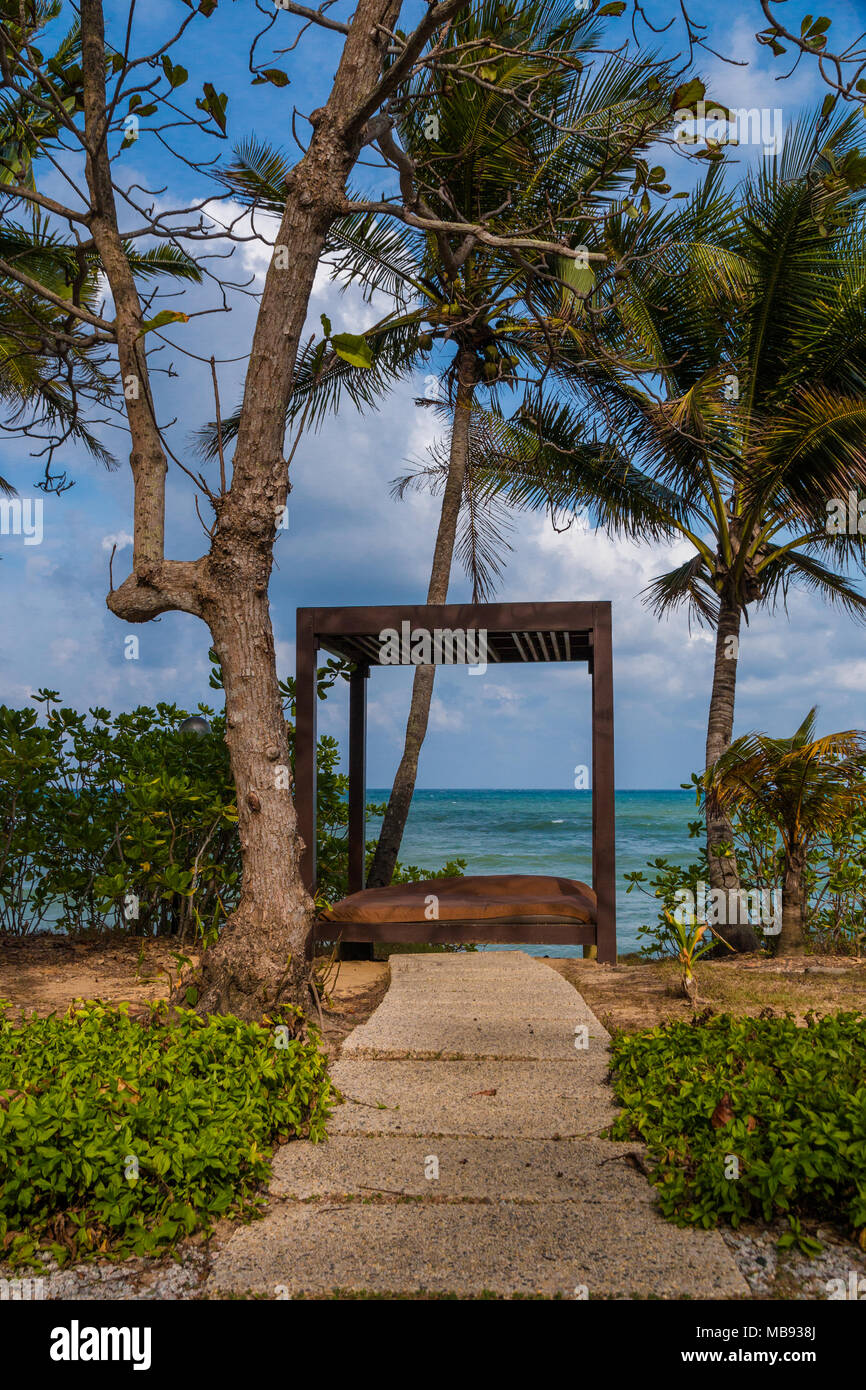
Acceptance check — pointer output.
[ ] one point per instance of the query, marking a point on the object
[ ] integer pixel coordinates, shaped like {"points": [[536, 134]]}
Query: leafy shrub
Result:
{"points": [[88, 1100], [127, 823], [122, 822], [789, 1103]]}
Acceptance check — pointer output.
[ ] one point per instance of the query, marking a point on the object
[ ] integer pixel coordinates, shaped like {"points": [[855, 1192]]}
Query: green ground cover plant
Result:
{"points": [[120, 1137], [750, 1118]]}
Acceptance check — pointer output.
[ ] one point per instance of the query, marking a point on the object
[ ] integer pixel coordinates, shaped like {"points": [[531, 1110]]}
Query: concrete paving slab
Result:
{"points": [[557, 1248], [493, 1004], [533, 1099], [476, 985], [459, 1005], [453, 960], [442, 1036], [502, 993], [530, 1170]]}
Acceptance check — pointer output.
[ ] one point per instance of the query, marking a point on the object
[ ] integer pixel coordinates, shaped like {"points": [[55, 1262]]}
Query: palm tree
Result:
{"points": [[738, 387], [807, 787], [481, 153]]}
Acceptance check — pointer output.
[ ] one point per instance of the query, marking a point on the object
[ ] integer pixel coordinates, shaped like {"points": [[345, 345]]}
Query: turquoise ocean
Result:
{"points": [[548, 832]]}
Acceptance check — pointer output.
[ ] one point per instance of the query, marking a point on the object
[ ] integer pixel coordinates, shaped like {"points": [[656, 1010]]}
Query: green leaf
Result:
{"points": [[276, 76], [215, 104], [353, 348], [686, 97], [164, 317], [176, 74], [580, 278], [617, 7]]}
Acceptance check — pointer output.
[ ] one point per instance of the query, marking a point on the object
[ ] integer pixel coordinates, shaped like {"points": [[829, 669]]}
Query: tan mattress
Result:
{"points": [[517, 898]]}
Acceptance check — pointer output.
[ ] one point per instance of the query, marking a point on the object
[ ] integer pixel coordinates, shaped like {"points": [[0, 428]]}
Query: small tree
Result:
{"points": [[807, 787]]}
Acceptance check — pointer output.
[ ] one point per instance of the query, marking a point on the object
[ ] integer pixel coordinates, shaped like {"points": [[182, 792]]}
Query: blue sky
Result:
{"points": [[349, 542]]}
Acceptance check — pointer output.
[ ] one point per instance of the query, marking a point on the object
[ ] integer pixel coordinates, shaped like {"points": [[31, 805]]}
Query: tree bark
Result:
{"points": [[397, 812], [259, 961], [720, 728], [792, 940]]}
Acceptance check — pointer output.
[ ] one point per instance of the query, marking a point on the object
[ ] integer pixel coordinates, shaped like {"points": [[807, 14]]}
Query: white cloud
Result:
{"points": [[850, 675], [121, 539], [444, 718]]}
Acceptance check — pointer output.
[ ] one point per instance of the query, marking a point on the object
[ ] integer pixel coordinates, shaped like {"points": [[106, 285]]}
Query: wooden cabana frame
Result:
{"points": [[515, 632]]}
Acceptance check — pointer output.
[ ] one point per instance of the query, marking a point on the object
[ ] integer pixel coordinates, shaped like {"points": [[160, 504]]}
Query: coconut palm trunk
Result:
{"points": [[396, 814], [720, 731], [792, 938]]}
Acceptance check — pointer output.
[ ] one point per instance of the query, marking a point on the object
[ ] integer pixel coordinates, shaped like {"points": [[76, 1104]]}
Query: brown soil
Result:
{"points": [[640, 994], [350, 991], [45, 974]]}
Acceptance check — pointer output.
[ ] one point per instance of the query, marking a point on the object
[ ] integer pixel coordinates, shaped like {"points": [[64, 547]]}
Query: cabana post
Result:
{"points": [[509, 632]]}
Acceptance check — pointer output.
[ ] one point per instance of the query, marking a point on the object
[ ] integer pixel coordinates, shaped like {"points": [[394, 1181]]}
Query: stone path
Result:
{"points": [[467, 1159]]}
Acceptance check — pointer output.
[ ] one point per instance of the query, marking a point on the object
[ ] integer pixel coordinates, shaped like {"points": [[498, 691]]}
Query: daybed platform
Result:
{"points": [[484, 907]]}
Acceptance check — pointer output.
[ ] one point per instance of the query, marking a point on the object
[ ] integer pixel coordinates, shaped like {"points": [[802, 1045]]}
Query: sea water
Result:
{"points": [[548, 832]]}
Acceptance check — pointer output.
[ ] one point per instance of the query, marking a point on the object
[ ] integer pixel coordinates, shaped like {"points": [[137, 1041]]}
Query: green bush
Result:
{"points": [[122, 822], [114, 821], [121, 1137], [787, 1103]]}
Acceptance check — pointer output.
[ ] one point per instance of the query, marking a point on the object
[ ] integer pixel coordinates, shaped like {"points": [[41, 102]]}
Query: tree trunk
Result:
{"points": [[258, 962], [792, 940], [396, 814], [720, 728]]}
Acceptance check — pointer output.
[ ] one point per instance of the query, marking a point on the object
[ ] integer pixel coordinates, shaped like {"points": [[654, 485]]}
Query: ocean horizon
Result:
{"points": [[547, 831]]}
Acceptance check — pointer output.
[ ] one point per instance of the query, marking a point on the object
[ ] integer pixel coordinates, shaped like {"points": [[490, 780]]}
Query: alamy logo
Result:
{"points": [[21, 1290], [854, 1289], [846, 516], [22, 516], [76, 1343], [446, 646], [741, 126], [756, 906]]}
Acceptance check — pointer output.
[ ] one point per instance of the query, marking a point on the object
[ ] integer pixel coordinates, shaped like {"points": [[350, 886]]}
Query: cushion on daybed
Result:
{"points": [[514, 898]]}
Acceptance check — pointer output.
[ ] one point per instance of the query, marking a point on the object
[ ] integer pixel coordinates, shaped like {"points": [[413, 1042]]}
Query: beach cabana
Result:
{"points": [[488, 908]]}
